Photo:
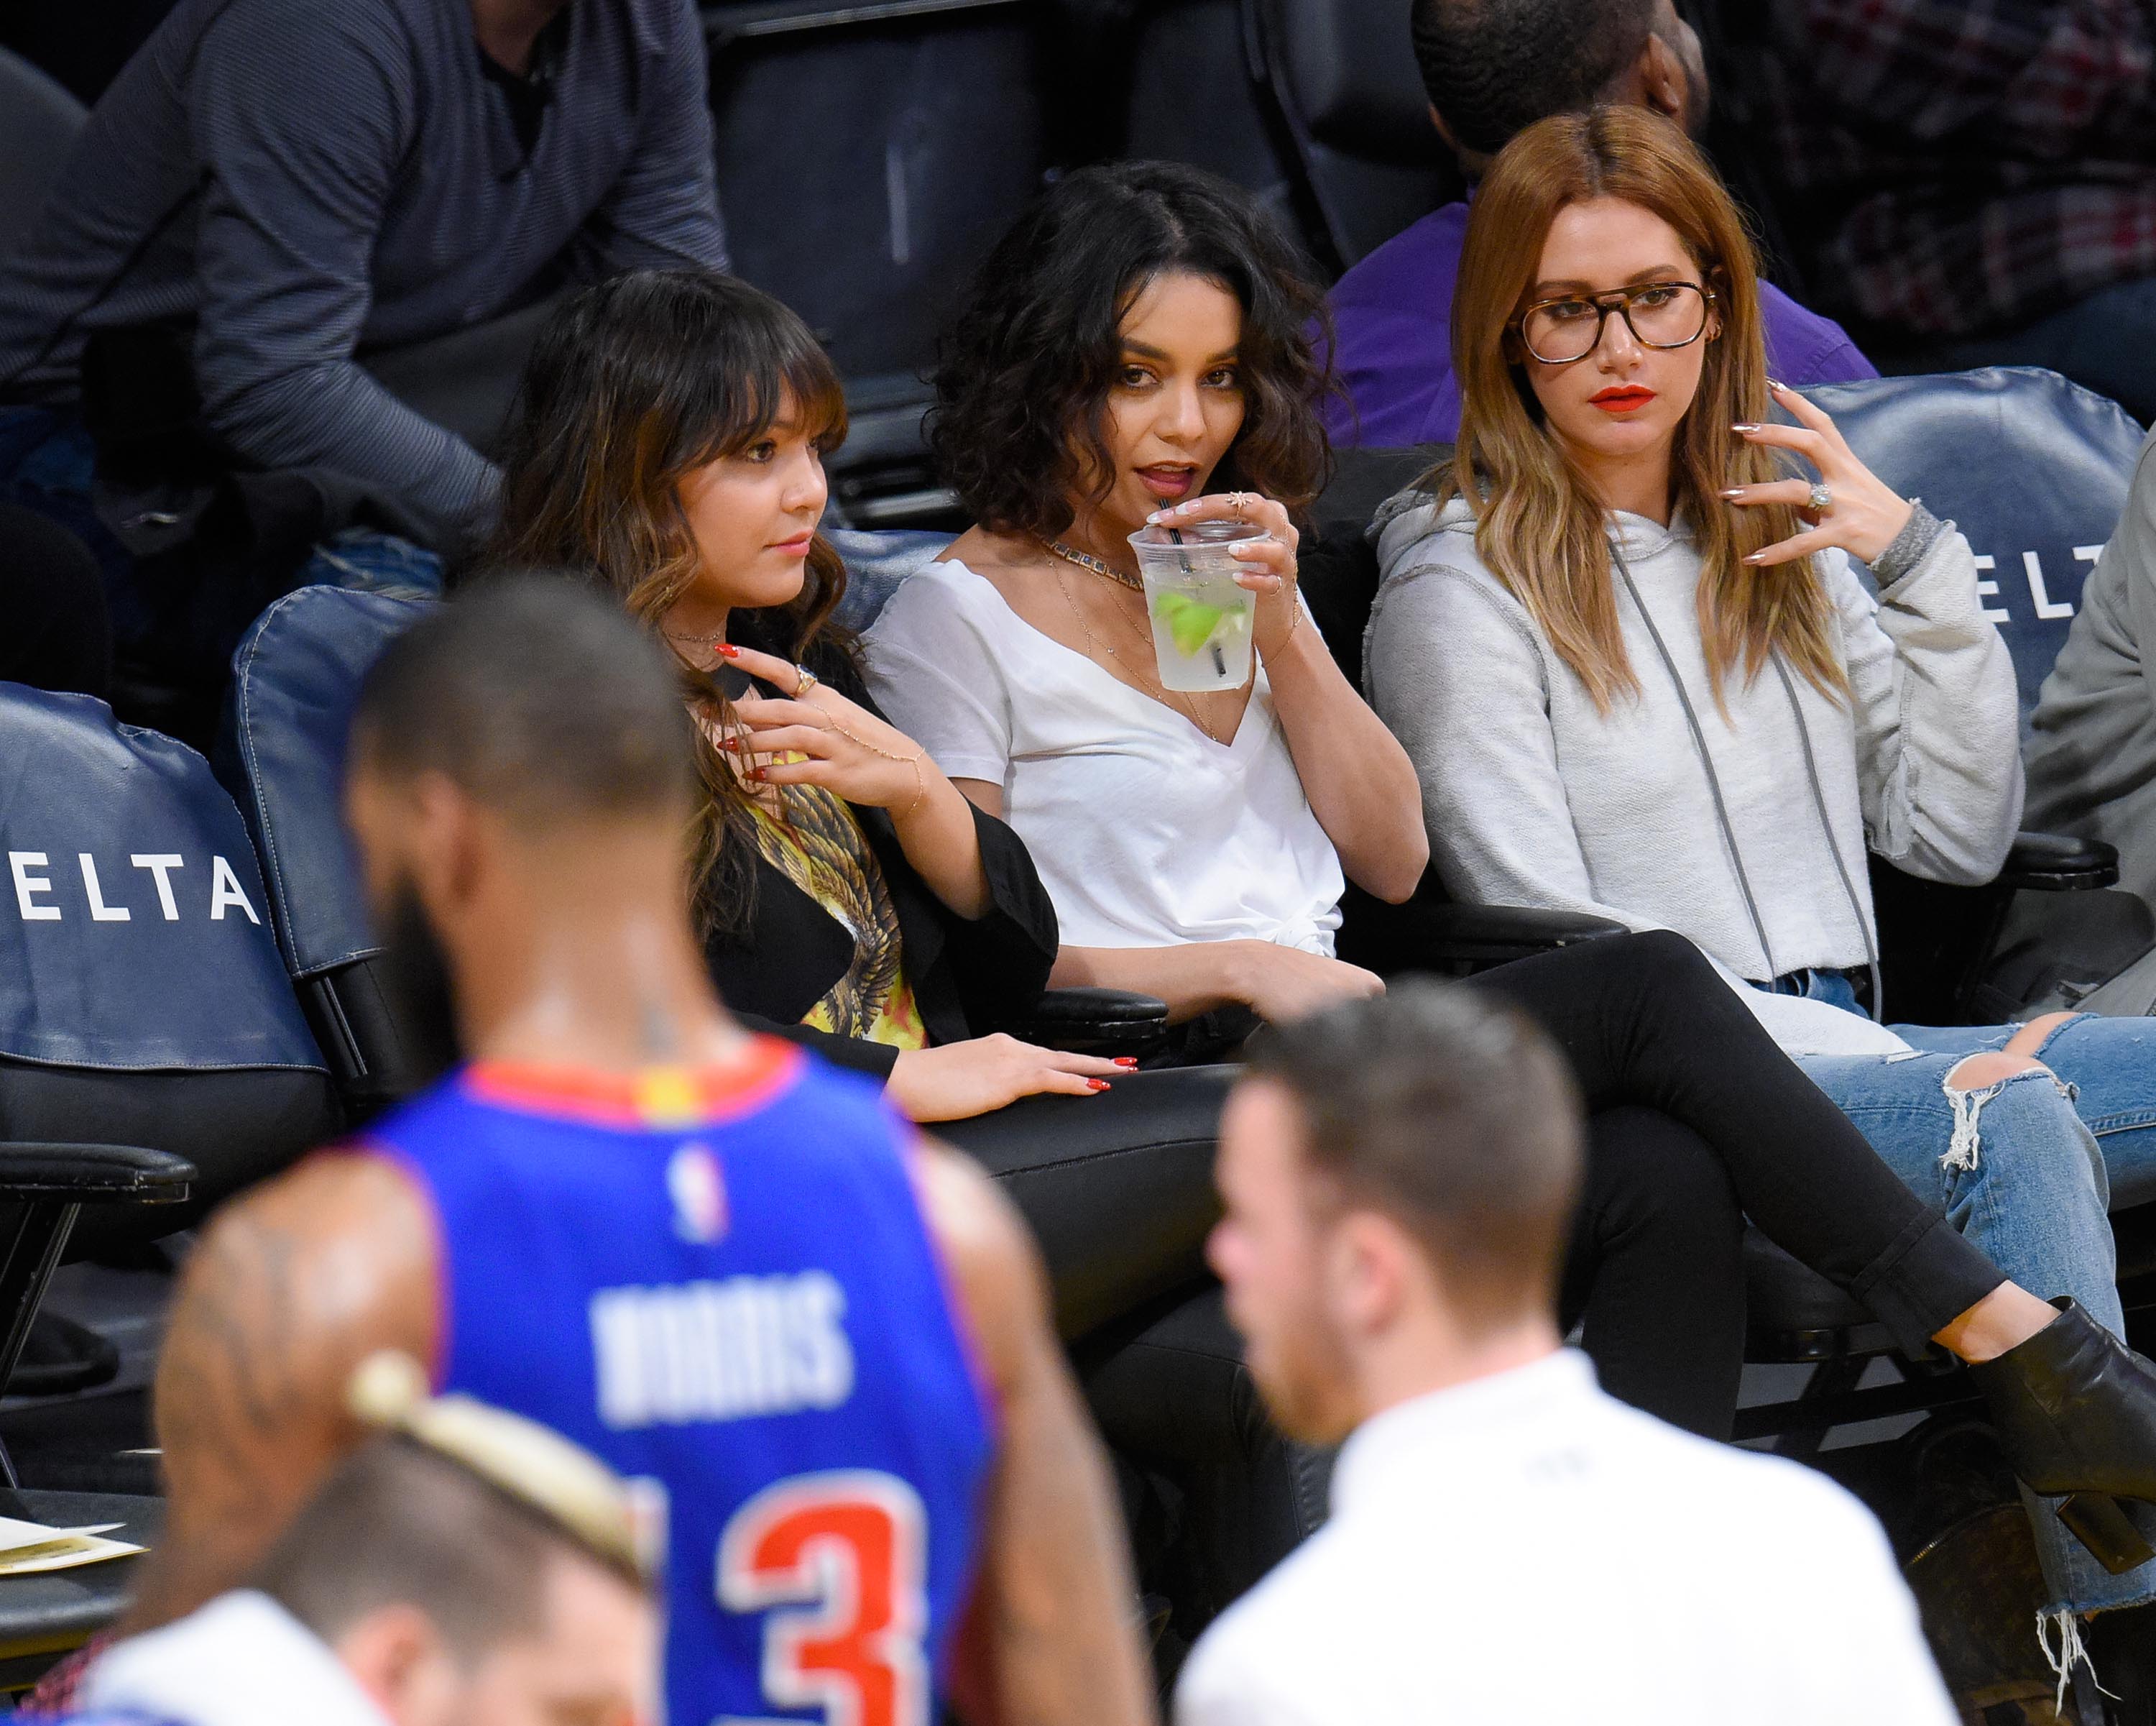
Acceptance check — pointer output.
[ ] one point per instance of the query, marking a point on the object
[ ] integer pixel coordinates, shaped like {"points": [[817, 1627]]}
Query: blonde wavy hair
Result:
{"points": [[1539, 526]]}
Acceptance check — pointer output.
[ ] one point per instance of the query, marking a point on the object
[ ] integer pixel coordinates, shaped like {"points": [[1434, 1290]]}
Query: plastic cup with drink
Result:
{"points": [[1201, 617]]}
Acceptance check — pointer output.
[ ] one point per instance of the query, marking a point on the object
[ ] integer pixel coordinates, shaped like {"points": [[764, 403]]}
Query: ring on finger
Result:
{"points": [[807, 680], [1822, 496]]}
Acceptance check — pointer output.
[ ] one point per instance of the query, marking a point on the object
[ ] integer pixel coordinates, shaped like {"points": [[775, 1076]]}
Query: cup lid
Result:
{"points": [[1154, 535]]}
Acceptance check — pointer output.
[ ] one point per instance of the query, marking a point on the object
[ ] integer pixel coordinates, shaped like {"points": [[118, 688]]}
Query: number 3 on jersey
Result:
{"points": [[846, 1550]]}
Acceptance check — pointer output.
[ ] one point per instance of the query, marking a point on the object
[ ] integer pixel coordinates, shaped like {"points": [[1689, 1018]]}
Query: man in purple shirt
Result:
{"points": [[1492, 68]]}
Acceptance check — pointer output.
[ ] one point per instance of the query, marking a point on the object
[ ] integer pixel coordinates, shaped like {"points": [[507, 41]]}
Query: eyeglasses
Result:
{"points": [[1558, 332]]}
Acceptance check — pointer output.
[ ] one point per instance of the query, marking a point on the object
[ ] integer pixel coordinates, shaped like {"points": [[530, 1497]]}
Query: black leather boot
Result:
{"points": [[2076, 1413]]}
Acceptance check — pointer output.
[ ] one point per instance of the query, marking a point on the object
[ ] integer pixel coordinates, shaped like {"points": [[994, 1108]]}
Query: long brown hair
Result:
{"points": [[1539, 527], [631, 386]]}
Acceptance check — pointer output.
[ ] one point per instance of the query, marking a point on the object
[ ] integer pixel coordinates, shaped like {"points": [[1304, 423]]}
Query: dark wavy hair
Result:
{"points": [[631, 386], [1021, 386]]}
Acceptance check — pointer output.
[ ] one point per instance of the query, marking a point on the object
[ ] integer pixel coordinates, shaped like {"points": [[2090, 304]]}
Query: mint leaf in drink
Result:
{"points": [[1190, 622]]}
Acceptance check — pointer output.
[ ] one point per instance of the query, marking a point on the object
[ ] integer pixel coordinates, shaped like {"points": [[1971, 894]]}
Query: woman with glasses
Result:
{"points": [[1640, 676]]}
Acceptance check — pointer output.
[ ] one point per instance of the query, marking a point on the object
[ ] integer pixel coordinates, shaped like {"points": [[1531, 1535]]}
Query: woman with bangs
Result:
{"points": [[1640, 676], [669, 439], [1133, 349]]}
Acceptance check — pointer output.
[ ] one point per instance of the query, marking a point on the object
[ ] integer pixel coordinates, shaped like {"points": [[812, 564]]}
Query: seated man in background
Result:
{"points": [[1493, 67], [1506, 1542], [272, 187], [710, 1260], [470, 1568], [1976, 182]]}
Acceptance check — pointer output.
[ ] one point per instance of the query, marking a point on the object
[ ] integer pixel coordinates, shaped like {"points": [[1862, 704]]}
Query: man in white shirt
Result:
{"points": [[1506, 1542]]}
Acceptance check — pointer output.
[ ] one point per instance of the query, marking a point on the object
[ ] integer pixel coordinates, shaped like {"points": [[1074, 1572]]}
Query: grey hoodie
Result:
{"points": [[1533, 797]]}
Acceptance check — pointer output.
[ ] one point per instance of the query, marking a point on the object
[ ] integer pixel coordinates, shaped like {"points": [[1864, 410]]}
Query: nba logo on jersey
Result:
{"points": [[699, 1192]]}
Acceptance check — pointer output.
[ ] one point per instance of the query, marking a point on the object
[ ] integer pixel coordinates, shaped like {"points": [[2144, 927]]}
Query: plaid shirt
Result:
{"points": [[1964, 164]]}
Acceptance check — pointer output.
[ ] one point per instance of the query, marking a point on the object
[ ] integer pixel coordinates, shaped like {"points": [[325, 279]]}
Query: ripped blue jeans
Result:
{"points": [[2028, 1170]]}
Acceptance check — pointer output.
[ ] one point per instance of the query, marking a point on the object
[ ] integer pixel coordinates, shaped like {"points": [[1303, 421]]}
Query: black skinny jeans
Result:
{"points": [[1697, 1121]]}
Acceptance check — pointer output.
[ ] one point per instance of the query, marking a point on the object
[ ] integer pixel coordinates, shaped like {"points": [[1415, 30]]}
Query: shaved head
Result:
{"points": [[538, 699], [1493, 67]]}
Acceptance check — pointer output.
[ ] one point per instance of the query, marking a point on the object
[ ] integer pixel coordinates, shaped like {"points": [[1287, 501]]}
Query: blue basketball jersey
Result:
{"points": [[720, 1282]]}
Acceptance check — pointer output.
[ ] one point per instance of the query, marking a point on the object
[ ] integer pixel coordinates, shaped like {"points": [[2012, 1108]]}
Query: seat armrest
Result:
{"points": [[1090, 1022], [1438, 935], [2057, 863], [93, 1175]]}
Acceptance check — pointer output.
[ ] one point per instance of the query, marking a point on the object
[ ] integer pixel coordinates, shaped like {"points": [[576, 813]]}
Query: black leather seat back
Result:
{"points": [[142, 997], [2033, 468], [295, 679], [870, 155], [1343, 73]]}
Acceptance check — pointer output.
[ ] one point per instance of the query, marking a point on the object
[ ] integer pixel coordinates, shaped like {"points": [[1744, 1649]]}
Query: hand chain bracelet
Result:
{"points": [[913, 761]]}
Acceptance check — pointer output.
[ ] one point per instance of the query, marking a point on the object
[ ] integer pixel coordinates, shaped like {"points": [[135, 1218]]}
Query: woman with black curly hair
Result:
{"points": [[1157, 364], [1133, 352]]}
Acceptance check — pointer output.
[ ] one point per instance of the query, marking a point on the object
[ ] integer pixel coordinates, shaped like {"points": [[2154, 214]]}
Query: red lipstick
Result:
{"points": [[1622, 397]]}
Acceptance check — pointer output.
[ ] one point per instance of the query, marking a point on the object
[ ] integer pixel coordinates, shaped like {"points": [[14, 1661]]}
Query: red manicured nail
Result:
{"points": [[1126, 1061], [1096, 1084], [757, 773], [728, 652], [730, 742]]}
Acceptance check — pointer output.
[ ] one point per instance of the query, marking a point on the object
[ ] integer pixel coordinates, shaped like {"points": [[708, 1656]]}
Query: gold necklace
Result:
{"points": [[1172, 698], [1086, 560]]}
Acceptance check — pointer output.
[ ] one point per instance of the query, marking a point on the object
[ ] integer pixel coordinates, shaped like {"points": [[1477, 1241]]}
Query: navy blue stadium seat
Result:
{"points": [[2033, 468], [152, 1059], [877, 563], [293, 681], [141, 1000]]}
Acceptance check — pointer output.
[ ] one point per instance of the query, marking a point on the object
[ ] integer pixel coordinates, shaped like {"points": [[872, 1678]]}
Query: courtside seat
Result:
{"points": [[877, 563], [141, 1000], [1343, 80], [294, 681], [152, 1060], [2034, 469]]}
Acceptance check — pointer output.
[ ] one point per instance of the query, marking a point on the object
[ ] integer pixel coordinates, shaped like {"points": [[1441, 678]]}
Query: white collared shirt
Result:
{"points": [[1526, 1549], [242, 1660]]}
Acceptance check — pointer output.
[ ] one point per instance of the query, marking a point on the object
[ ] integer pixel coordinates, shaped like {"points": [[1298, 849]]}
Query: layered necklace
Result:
{"points": [[1136, 668]]}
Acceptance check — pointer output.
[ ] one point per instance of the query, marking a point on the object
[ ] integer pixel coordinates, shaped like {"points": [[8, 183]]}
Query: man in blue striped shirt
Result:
{"points": [[291, 183]]}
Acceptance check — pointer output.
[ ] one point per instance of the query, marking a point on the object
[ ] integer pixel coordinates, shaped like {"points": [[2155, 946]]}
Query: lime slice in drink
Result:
{"points": [[1190, 622]]}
